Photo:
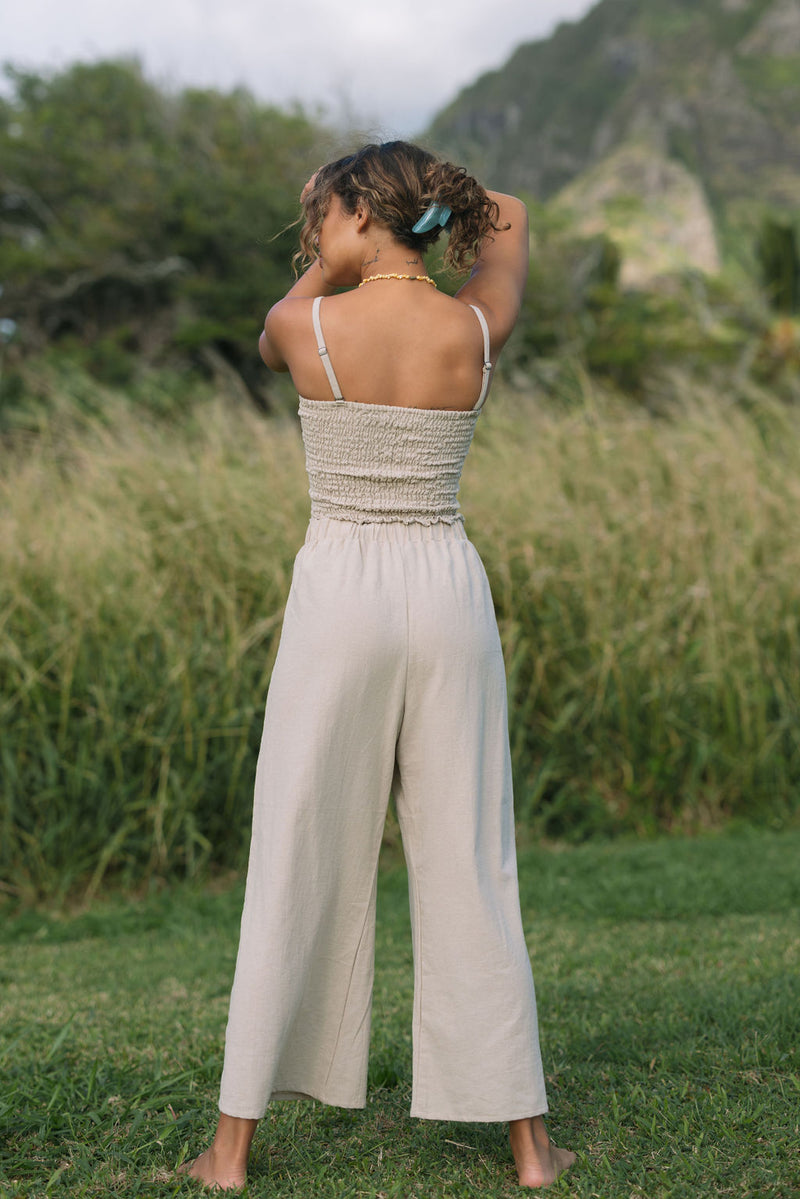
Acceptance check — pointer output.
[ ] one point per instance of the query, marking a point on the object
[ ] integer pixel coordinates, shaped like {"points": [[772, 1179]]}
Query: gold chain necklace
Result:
{"points": [[394, 275]]}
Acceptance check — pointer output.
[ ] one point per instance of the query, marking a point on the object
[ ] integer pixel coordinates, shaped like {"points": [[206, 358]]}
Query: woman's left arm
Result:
{"points": [[497, 281]]}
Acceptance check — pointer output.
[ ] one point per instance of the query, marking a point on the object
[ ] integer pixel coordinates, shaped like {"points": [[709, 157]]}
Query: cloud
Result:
{"points": [[390, 68]]}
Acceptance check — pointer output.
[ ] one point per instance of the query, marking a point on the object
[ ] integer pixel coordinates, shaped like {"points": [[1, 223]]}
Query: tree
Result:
{"points": [[122, 205]]}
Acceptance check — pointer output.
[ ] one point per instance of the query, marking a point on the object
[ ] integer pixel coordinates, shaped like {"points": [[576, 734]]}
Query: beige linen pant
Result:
{"points": [[389, 677]]}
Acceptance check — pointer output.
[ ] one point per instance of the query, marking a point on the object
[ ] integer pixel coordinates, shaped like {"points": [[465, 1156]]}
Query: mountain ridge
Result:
{"points": [[712, 86]]}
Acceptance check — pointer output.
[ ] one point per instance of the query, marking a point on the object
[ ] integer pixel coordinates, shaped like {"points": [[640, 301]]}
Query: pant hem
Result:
{"points": [[282, 1096], [243, 1112], [444, 1116]]}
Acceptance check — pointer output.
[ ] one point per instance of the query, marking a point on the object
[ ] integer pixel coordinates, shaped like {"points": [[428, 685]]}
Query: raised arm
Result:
{"points": [[497, 281], [282, 315]]}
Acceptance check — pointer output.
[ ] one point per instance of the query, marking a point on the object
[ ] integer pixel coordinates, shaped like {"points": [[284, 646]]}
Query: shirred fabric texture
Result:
{"points": [[356, 473], [389, 676]]}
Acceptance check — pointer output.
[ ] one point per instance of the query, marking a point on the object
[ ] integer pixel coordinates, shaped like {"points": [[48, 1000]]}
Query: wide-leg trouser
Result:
{"points": [[389, 677]]}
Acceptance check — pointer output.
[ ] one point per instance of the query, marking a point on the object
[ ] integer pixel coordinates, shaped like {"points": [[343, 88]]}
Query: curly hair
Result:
{"points": [[397, 182]]}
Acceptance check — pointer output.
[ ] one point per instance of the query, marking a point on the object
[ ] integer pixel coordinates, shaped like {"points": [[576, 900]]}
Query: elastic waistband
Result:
{"points": [[324, 528]]}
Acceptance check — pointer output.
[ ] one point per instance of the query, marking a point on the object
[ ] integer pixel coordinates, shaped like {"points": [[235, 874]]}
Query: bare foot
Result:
{"points": [[213, 1173], [537, 1159], [223, 1166]]}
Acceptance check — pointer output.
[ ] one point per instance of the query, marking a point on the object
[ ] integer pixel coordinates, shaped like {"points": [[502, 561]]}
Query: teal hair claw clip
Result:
{"points": [[437, 214]]}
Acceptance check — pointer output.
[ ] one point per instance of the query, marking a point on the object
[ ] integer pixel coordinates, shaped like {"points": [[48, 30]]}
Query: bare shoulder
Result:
{"points": [[287, 315], [284, 322]]}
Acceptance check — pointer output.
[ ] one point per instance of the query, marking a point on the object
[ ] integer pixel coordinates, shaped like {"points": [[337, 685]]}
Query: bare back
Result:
{"points": [[391, 342]]}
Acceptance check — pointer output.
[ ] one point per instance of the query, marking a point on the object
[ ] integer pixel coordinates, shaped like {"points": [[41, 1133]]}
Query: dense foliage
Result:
{"points": [[578, 319], [139, 223], [779, 260]]}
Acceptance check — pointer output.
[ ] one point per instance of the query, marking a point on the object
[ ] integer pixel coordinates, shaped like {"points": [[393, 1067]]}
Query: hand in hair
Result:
{"points": [[309, 186]]}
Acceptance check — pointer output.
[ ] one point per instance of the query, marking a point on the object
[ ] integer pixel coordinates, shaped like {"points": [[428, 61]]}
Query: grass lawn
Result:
{"points": [[668, 976]]}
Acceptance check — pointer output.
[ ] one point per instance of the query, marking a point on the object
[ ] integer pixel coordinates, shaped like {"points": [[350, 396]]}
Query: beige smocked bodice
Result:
{"points": [[372, 463]]}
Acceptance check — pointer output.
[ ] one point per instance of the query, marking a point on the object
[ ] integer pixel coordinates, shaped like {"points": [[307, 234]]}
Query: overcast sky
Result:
{"points": [[386, 66]]}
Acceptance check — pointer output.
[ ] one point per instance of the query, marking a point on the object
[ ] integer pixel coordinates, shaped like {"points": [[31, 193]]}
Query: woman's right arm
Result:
{"points": [[282, 317], [497, 281]]}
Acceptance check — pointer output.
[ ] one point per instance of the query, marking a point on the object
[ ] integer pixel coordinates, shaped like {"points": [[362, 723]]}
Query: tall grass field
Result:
{"points": [[646, 575]]}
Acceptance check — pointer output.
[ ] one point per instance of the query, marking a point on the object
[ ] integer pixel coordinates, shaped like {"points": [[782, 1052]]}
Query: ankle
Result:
{"points": [[233, 1138]]}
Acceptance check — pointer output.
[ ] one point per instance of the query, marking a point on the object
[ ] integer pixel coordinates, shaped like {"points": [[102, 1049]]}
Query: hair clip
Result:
{"points": [[437, 214]]}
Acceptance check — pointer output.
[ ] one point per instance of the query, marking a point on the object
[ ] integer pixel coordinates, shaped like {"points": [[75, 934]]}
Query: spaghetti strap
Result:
{"points": [[487, 365], [323, 351], [331, 373]]}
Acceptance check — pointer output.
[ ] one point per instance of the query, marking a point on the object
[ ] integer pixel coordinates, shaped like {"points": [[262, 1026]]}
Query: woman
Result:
{"points": [[389, 677]]}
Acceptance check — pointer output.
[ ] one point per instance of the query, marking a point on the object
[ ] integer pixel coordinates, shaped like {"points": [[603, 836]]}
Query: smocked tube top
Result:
{"points": [[374, 463]]}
